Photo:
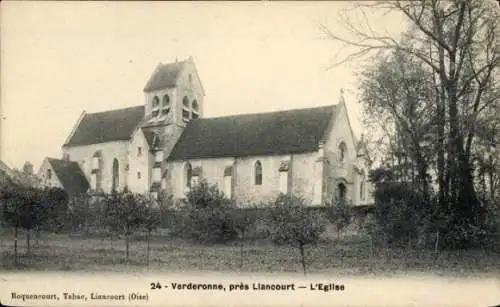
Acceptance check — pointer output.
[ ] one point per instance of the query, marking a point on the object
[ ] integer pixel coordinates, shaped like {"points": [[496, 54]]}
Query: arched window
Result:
{"points": [[342, 152], [49, 174], [258, 173], [362, 187], [188, 174], [185, 108], [116, 178], [195, 110], [166, 101], [155, 111], [228, 182], [342, 191], [164, 180], [165, 106]]}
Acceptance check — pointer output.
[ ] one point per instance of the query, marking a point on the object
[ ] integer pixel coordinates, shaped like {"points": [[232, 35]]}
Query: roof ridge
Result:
{"points": [[61, 160], [115, 110], [257, 134], [271, 112], [174, 62]]}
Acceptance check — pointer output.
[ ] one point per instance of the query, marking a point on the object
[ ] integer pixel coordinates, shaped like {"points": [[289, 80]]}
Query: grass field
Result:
{"points": [[350, 256]]}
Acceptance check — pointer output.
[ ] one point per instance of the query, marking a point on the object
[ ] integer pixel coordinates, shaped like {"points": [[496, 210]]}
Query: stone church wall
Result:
{"points": [[140, 164], [340, 132], [304, 175], [245, 191], [42, 174], [109, 151]]}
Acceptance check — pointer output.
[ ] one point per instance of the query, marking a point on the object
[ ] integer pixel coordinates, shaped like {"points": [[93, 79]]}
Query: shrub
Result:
{"points": [[400, 212], [168, 215], [87, 214], [207, 216]]}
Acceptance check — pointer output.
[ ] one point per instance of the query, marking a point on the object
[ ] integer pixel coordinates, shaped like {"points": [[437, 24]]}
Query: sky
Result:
{"points": [[60, 58]]}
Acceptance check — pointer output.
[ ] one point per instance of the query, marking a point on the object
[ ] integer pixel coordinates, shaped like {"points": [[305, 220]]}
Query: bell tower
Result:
{"points": [[173, 94], [173, 97]]}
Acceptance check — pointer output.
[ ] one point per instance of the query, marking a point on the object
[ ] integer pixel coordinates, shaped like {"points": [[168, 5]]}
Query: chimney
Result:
{"points": [[342, 99]]}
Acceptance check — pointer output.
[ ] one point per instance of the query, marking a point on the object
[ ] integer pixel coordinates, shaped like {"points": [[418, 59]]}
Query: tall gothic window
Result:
{"points": [[116, 175], [155, 111], [342, 152], [188, 174], [362, 187], [342, 191], [195, 113], [165, 106], [185, 109], [258, 173]]}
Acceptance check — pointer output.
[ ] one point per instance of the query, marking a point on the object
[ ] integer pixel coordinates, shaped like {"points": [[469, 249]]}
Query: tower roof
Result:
{"points": [[165, 76]]}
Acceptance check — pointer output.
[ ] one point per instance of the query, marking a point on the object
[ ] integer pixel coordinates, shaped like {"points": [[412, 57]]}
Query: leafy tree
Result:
{"points": [[339, 213], [169, 216], [454, 52], [126, 213], [55, 207], [79, 208], [207, 215], [369, 227], [293, 223], [150, 223], [244, 219], [22, 209], [400, 212], [28, 168]]}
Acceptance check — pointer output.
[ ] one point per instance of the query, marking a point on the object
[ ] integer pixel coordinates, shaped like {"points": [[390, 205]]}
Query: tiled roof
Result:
{"points": [[152, 138], [165, 76], [70, 175], [281, 132], [114, 125]]}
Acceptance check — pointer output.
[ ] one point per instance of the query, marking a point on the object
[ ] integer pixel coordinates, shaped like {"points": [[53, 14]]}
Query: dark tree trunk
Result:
{"points": [[38, 233], [491, 175], [28, 240], [127, 246], [436, 245], [441, 122], [148, 239], [15, 244], [302, 257], [241, 254]]}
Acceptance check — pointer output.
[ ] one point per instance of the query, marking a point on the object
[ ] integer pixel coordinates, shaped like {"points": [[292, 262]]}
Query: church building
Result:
{"points": [[167, 145]]}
